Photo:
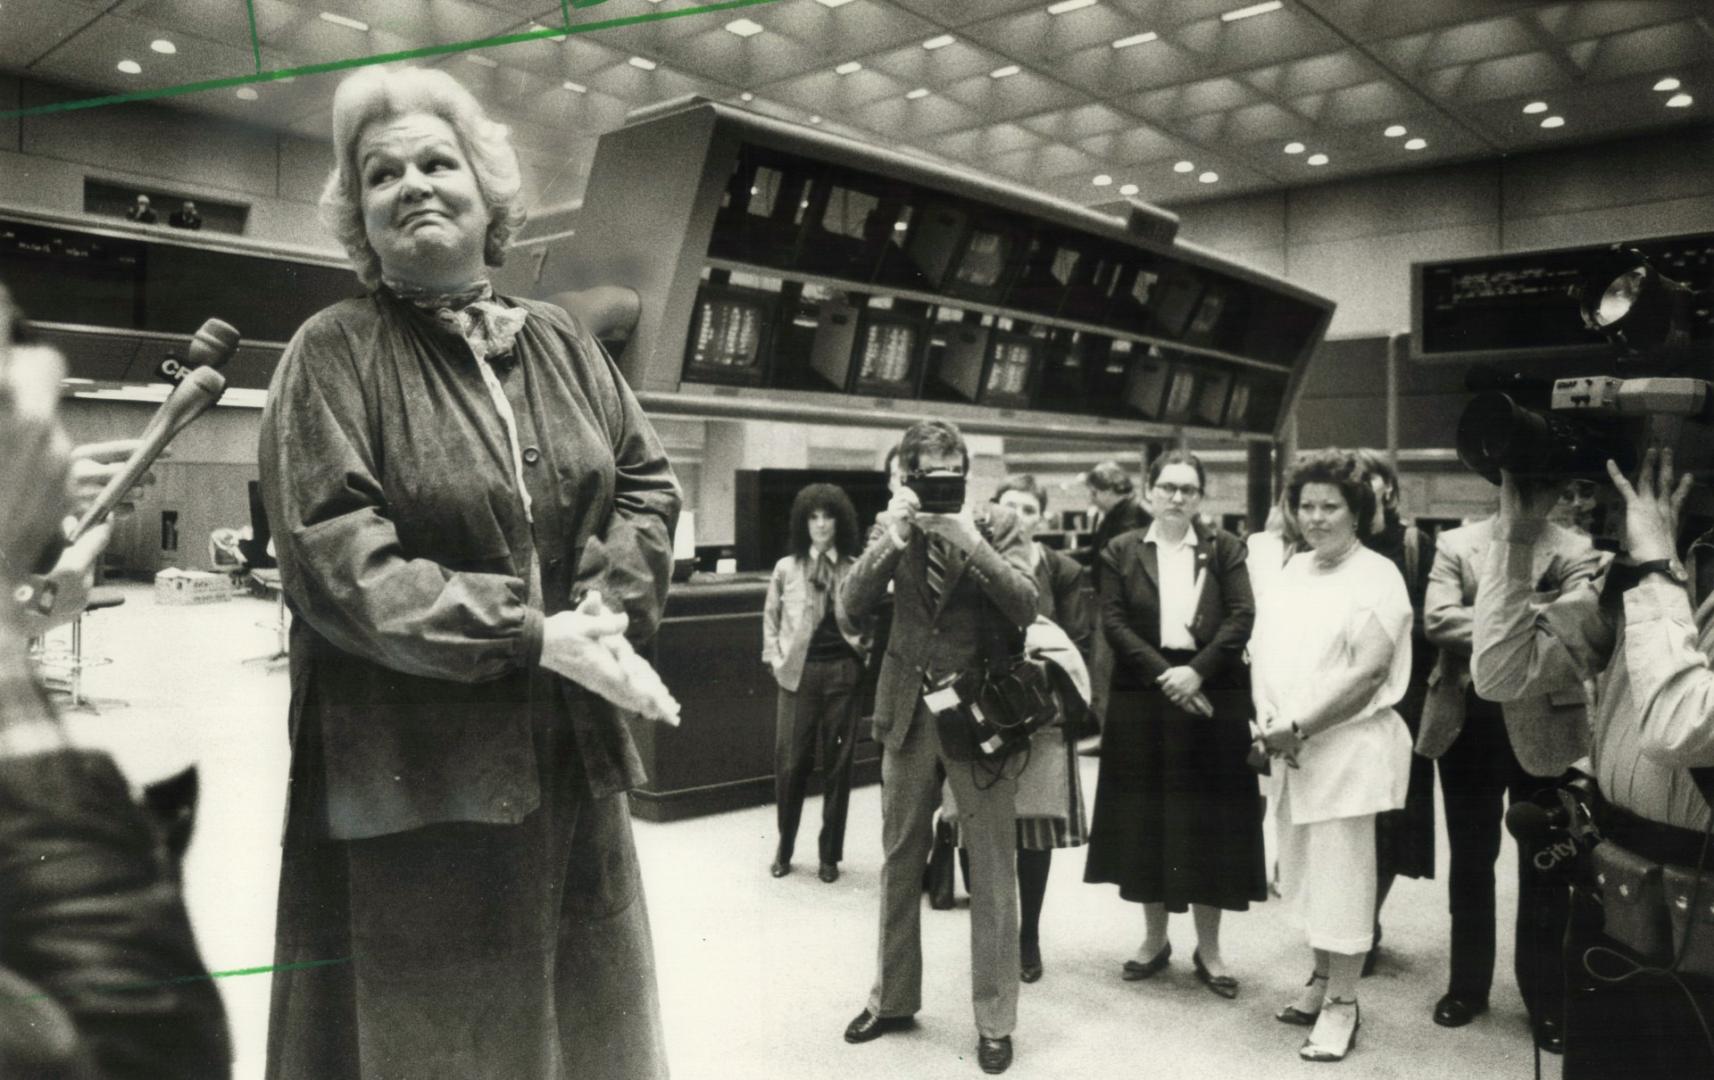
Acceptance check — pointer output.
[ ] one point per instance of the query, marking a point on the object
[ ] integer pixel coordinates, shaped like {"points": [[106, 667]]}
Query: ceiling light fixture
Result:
{"points": [[1184, 166], [1103, 180], [917, 94], [1065, 6], [1667, 85], [130, 67], [1128, 189], [1416, 144], [482, 61], [1209, 177], [642, 63], [1394, 131], [1535, 107], [746, 96], [575, 87], [1679, 101], [246, 93], [1005, 72], [1136, 39], [341, 20], [1316, 159], [815, 119], [940, 42], [163, 46], [1553, 122], [832, 3], [1294, 148], [1252, 10], [744, 27], [848, 68]]}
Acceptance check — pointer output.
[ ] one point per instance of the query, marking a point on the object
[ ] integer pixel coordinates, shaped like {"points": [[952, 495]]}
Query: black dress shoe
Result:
{"points": [[1029, 961], [829, 872], [1550, 1035], [780, 868], [994, 1055], [868, 1026], [1135, 970], [1224, 985], [1454, 1011]]}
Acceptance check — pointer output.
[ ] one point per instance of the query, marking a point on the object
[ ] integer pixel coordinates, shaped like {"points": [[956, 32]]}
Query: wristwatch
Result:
{"points": [[1672, 568]]}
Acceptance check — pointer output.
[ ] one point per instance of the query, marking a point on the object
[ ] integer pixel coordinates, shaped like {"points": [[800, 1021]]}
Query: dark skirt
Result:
{"points": [[485, 952], [1178, 813], [1404, 838]]}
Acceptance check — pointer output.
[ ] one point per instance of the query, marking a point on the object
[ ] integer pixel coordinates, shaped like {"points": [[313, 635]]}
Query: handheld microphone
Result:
{"points": [[211, 346], [194, 396], [1556, 829]]}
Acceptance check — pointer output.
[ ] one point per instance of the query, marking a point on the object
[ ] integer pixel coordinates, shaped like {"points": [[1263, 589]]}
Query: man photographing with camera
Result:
{"points": [[962, 594], [1640, 990]]}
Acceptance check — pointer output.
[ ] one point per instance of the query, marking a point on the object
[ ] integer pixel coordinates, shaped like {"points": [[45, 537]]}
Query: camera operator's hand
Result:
{"points": [[1652, 506], [1525, 500], [957, 529], [899, 518]]}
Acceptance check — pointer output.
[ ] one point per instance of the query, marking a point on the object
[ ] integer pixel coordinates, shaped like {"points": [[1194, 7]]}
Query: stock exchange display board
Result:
{"points": [[1525, 305]]}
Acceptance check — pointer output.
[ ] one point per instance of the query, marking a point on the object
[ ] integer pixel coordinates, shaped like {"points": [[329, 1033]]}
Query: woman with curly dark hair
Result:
{"points": [[1330, 658], [816, 654]]}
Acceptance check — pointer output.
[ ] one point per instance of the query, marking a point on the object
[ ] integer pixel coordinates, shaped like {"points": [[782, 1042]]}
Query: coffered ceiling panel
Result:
{"points": [[1179, 99]]}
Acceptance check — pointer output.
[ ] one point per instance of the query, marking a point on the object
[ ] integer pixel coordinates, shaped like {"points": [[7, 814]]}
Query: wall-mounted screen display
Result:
{"points": [[889, 351], [1011, 368], [1180, 395], [1211, 389], [728, 339], [1145, 385]]}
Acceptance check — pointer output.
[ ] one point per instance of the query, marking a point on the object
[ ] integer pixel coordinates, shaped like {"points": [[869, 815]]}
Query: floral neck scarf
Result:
{"points": [[487, 326]]}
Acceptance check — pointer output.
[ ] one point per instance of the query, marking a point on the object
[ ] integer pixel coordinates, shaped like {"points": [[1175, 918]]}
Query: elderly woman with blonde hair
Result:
{"points": [[473, 520]]}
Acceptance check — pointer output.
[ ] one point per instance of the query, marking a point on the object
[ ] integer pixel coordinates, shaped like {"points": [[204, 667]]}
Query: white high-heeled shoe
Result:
{"points": [[1335, 1031]]}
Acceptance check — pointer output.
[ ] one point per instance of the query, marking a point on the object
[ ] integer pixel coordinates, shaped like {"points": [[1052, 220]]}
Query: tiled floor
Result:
{"points": [[758, 976]]}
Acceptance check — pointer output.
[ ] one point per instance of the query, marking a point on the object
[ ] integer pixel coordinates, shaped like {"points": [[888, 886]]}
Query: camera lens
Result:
{"points": [[1497, 433]]}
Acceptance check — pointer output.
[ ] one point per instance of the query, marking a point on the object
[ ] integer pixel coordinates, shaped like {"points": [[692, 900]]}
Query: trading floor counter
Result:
{"points": [[721, 756]]}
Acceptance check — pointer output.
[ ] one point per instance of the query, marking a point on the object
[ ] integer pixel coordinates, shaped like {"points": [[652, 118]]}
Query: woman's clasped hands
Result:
{"points": [[588, 646]]}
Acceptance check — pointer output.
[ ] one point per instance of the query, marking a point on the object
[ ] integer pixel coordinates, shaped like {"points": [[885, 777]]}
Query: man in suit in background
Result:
{"points": [[1487, 751], [1113, 494], [962, 594]]}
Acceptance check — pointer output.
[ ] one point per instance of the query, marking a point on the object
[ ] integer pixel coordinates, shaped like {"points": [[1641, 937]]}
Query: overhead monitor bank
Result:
{"points": [[785, 265]]}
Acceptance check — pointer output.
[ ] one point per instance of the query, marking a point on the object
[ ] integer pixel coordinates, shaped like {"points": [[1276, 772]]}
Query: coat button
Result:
{"points": [[531, 455]]}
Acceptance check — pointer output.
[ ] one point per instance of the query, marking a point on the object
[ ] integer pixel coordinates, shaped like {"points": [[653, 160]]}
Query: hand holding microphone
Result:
{"points": [[211, 347]]}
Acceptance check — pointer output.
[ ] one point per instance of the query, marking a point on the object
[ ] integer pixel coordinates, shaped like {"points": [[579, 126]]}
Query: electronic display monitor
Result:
{"points": [[1206, 323], [61, 275], [729, 336], [984, 264], [934, 239], [1012, 363], [762, 211], [1063, 376], [1109, 374], [1209, 407], [1180, 395], [1044, 271], [1095, 278], [958, 353], [1145, 385], [887, 359], [851, 221], [835, 334]]}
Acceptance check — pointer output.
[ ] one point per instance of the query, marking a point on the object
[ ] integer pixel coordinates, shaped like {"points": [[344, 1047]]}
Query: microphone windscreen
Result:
{"points": [[213, 344], [1527, 821]]}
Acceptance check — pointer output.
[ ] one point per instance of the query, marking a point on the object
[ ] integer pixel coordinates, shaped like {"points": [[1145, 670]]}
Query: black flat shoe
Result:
{"points": [[1223, 985], [829, 872], [1297, 1017], [1454, 1011], [1135, 971], [994, 1055], [868, 1026], [1029, 961], [780, 868]]}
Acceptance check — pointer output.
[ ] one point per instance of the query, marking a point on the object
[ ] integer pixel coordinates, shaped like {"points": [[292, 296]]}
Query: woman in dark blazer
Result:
{"points": [[1178, 817]]}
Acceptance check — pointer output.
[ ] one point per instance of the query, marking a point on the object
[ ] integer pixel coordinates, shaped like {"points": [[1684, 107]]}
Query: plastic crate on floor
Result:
{"points": [[174, 586]]}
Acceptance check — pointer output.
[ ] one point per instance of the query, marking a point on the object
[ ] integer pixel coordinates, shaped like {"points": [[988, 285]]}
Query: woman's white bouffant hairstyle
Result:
{"points": [[379, 94]]}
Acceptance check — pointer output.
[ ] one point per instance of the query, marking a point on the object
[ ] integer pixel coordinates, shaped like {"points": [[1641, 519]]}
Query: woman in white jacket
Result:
{"points": [[1330, 657], [816, 654]]}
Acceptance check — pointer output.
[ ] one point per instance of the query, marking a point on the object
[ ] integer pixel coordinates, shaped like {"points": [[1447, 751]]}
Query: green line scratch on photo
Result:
{"points": [[255, 41], [380, 58], [158, 983]]}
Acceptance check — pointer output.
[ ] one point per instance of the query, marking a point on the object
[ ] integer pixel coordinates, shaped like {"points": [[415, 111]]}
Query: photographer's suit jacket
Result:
{"points": [[988, 596], [1547, 733]]}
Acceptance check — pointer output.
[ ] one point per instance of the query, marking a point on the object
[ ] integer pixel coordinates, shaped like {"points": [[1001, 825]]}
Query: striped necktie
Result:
{"points": [[936, 553]]}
